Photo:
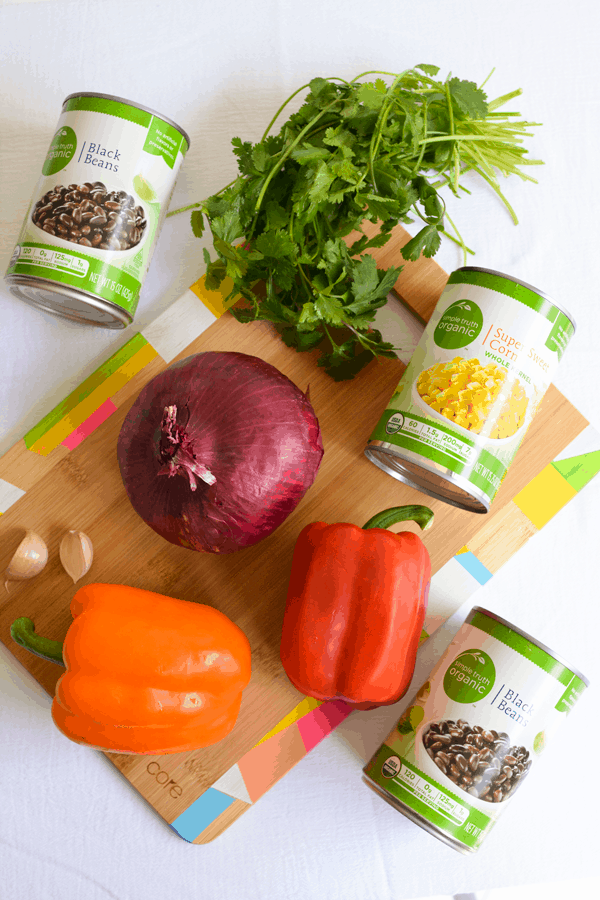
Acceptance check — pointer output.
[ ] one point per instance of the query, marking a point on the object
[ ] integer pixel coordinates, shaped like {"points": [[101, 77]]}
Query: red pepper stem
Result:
{"points": [[23, 632], [422, 515]]}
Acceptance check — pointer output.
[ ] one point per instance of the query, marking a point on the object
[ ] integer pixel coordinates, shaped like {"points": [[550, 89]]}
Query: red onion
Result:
{"points": [[218, 450]]}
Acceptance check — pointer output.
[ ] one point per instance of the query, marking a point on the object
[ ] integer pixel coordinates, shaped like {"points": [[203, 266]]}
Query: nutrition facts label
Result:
{"points": [[432, 796], [433, 437], [54, 259]]}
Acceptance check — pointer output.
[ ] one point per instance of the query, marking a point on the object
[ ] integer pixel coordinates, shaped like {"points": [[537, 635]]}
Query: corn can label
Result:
{"points": [[473, 385], [467, 743], [102, 195]]}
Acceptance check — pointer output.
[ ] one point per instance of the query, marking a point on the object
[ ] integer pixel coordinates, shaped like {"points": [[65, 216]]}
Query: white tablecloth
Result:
{"points": [[70, 827]]}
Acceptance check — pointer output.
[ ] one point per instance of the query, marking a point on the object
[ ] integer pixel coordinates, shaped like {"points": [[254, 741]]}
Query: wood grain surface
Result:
{"points": [[82, 489]]}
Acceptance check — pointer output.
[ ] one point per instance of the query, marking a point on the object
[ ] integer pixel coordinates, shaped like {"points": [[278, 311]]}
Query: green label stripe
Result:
{"points": [[488, 473], [101, 278], [484, 471], [120, 111], [470, 832], [571, 695], [86, 388], [109, 108], [522, 645], [510, 289], [380, 433]]}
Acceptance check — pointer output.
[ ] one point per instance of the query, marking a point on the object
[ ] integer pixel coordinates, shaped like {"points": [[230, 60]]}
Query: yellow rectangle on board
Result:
{"points": [[214, 300], [544, 496]]}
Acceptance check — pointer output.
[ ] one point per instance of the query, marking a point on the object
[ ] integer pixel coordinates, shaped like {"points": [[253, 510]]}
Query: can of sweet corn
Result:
{"points": [[472, 387]]}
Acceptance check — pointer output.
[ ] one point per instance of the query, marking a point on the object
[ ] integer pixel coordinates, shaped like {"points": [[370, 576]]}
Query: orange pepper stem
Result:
{"points": [[23, 632], [422, 515]]}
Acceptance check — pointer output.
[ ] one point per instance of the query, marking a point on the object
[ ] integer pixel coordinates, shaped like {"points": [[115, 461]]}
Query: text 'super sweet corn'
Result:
{"points": [[472, 387]]}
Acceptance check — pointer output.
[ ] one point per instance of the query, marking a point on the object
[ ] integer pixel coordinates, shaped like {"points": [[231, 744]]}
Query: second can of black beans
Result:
{"points": [[474, 731]]}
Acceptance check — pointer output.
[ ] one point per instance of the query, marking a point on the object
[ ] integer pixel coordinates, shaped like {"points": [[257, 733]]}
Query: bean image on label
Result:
{"points": [[91, 215], [479, 761]]}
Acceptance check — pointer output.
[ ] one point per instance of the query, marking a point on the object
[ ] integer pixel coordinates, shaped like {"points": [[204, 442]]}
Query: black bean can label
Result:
{"points": [[88, 236], [475, 731]]}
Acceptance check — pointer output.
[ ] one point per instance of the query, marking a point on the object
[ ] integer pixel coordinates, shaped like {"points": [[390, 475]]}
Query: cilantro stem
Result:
{"points": [[460, 240], [196, 205], [486, 81], [491, 139], [281, 108], [183, 209], [291, 97], [376, 72], [331, 340], [276, 168], [380, 125], [454, 240]]}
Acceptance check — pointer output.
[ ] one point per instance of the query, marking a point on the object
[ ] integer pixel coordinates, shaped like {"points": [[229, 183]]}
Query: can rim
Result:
{"points": [[529, 637], [374, 451], [524, 284], [16, 284], [147, 109]]}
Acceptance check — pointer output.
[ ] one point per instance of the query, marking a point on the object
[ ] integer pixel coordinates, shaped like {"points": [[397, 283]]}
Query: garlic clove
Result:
{"points": [[76, 554], [28, 560]]}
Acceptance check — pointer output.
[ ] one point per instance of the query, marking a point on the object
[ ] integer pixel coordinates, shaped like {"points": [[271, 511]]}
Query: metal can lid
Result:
{"points": [[524, 284], [68, 303], [528, 637], [147, 109]]}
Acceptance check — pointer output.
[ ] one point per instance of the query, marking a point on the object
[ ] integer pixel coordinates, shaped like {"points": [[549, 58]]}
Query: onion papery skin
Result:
{"points": [[245, 424]]}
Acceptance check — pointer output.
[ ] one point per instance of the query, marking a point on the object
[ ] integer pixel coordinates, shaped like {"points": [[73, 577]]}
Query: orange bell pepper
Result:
{"points": [[355, 609], [145, 673]]}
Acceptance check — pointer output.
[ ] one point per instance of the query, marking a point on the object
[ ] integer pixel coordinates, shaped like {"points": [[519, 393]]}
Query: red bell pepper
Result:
{"points": [[355, 609]]}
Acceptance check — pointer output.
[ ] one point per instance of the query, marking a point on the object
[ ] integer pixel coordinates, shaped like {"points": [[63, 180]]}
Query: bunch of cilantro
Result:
{"points": [[353, 151]]}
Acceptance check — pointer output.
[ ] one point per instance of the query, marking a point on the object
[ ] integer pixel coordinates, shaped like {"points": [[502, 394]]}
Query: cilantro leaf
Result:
{"points": [[275, 244], [260, 157], [243, 151], [471, 99], [329, 309], [429, 70], [301, 340], [308, 153], [197, 222], [364, 277], [372, 95], [427, 242]]}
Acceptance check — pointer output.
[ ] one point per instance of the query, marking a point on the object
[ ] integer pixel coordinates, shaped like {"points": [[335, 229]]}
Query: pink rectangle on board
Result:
{"points": [[266, 763], [91, 423], [320, 721]]}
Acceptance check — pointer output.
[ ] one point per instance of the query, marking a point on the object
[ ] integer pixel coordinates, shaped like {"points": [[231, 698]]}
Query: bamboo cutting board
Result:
{"points": [[64, 475]]}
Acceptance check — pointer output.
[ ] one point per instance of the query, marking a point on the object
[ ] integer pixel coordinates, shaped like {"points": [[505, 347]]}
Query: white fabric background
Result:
{"points": [[70, 827]]}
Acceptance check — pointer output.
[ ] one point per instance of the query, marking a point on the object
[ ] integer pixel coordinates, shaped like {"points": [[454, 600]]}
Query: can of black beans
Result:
{"points": [[475, 730], [88, 236]]}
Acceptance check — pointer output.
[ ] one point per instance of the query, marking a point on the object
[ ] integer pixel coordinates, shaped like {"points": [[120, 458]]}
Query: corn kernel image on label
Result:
{"points": [[468, 393], [472, 387]]}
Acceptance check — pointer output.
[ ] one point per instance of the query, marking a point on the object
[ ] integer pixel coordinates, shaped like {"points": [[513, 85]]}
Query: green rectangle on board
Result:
{"points": [[579, 470], [85, 389]]}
